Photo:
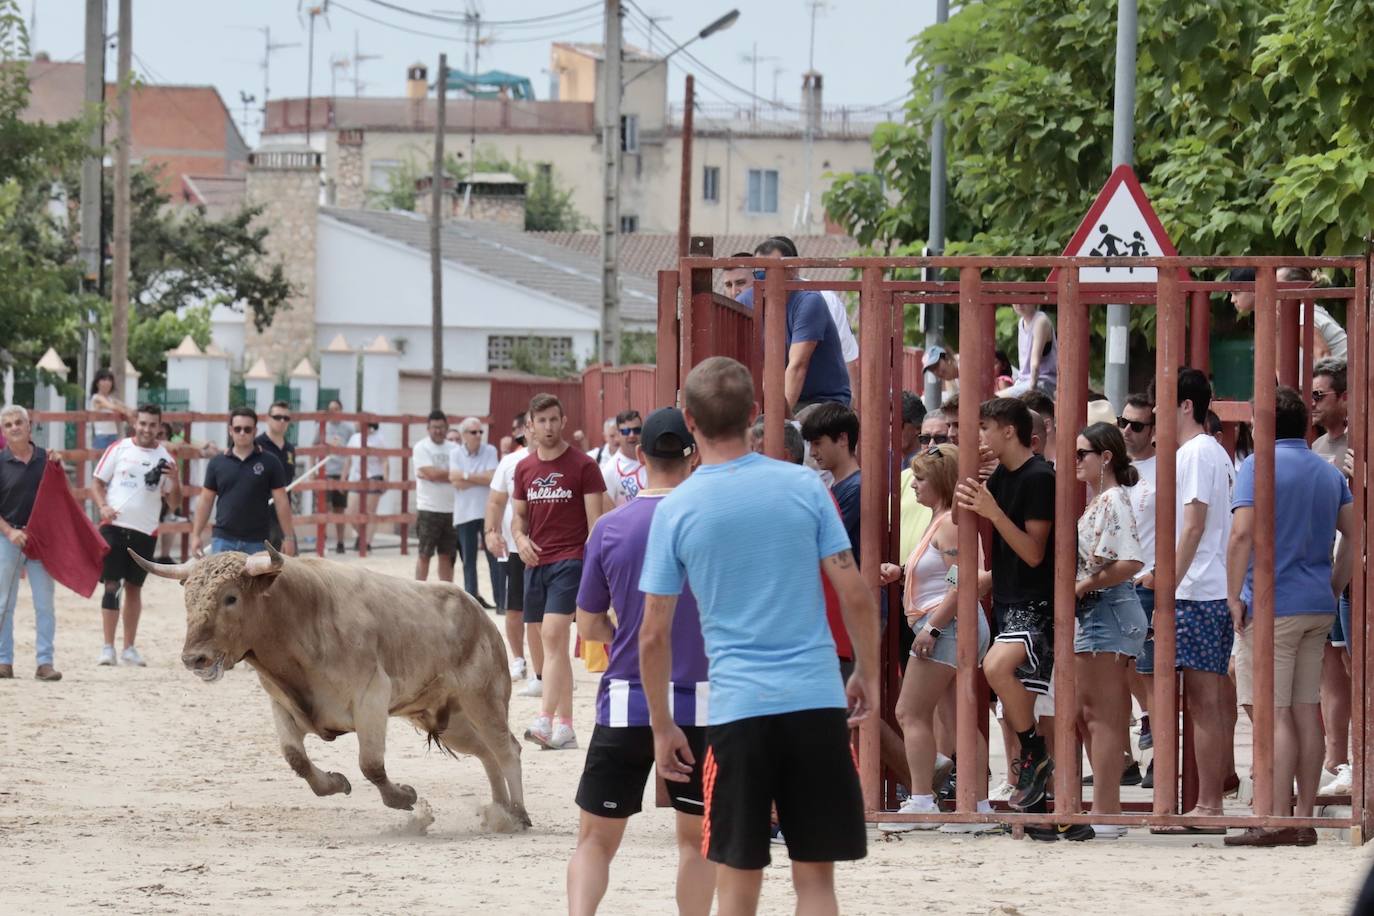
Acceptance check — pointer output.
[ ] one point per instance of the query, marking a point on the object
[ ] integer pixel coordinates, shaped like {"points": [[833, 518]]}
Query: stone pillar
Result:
{"points": [[261, 385], [191, 369], [350, 184], [46, 396], [339, 370], [131, 377], [217, 393], [306, 383], [381, 394], [286, 185]]}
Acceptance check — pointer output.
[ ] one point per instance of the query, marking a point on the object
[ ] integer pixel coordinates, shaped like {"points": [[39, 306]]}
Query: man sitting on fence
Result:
{"points": [[1311, 504], [127, 487], [816, 370], [249, 485]]}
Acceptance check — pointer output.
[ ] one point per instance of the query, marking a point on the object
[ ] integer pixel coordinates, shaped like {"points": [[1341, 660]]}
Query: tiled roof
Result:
{"points": [[644, 254], [515, 256]]}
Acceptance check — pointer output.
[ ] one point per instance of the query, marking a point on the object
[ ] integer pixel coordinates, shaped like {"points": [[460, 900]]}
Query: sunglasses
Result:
{"points": [[242, 429], [1135, 426], [1319, 396], [1082, 453], [472, 432], [279, 417], [932, 440], [631, 430]]}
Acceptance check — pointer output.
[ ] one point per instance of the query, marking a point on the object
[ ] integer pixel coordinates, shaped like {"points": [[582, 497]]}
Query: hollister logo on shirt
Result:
{"points": [[546, 489]]}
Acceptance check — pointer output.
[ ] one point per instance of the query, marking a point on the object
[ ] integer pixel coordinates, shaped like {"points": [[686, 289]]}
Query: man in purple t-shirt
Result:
{"points": [[621, 754]]}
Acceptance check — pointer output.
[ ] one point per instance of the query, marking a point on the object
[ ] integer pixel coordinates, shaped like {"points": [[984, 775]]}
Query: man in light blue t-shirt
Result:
{"points": [[749, 531]]}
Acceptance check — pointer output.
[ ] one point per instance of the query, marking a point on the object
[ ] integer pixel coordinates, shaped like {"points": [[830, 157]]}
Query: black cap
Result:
{"points": [[667, 423], [1242, 275]]}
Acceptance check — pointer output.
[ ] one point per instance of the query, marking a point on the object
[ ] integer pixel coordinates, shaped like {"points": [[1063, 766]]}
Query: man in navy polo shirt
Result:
{"points": [[816, 370], [241, 481]]}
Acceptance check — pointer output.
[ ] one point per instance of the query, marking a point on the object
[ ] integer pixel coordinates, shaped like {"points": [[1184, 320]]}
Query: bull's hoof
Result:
{"points": [[399, 796], [332, 784], [522, 817]]}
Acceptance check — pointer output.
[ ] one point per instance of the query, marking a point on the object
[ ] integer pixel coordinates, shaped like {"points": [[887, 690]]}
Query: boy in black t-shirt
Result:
{"points": [[1019, 501]]}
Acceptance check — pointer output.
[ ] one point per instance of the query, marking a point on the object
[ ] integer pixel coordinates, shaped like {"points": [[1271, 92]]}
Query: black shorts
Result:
{"points": [[338, 499], [514, 570], [800, 761], [118, 564], [619, 761], [551, 589], [436, 533], [1029, 624]]}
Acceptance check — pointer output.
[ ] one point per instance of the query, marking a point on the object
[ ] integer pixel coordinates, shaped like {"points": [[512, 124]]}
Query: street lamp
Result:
{"points": [[720, 25], [614, 88]]}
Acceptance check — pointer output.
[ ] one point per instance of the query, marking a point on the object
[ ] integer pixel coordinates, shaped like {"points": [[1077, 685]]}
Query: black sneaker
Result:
{"points": [[1031, 782], [1149, 781], [1077, 833], [339, 547], [1131, 775]]}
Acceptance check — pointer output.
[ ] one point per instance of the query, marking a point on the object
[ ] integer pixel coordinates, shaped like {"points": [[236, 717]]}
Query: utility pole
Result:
{"points": [[436, 261], [684, 226], [1118, 375], [92, 186], [610, 216], [119, 297], [935, 311], [476, 19]]}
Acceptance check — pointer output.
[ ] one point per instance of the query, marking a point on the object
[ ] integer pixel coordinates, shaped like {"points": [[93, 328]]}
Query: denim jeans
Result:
{"points": [[12, 561], [469, 546], [223, 545]]}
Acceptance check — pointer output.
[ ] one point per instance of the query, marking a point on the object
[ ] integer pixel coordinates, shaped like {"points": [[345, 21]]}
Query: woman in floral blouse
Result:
{"points": [[1111, 623]]}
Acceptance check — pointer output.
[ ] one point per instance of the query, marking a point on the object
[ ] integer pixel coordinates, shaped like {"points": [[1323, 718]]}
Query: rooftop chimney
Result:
{"points": [[811, 101], [417, 82]]}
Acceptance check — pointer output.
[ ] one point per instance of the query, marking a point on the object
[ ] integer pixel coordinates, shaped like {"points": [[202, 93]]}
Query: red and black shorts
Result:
{"points": [[800, 761]]}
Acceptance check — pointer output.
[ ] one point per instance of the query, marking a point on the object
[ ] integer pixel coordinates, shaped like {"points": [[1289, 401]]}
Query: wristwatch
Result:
{"points": [[934, 631]]}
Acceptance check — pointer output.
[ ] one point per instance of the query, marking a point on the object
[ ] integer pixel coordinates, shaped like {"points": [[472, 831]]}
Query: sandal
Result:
{"points": [[1187, 830]]}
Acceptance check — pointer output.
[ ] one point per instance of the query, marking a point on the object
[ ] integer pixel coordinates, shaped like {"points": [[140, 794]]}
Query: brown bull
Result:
{"points": [[340, 649]]}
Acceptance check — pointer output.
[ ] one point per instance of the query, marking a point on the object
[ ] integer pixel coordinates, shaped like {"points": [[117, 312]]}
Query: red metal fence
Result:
{"points": [[696, 329]]}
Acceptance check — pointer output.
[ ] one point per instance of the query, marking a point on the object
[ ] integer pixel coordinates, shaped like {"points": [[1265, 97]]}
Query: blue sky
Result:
{"points": [[861, 45]]}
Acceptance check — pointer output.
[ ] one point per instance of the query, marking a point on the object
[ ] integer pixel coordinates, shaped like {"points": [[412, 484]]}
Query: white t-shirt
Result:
{"points": [[503, 481], [1206, 475], [376, 466], [849, 347], [432, 495], [470, 503], [1143, 507], [624, 479], [122, 468]]}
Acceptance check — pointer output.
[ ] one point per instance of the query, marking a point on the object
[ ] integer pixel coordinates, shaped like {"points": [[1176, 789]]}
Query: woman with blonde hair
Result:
{"points": [[931, 603]]}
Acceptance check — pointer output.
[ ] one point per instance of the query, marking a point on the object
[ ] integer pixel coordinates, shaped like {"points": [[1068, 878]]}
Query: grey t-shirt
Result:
{"points": [[1333, 448], [337, 434]]}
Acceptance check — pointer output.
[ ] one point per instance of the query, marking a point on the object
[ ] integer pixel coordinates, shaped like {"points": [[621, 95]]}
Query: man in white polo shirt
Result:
{"points": [[434, 499], [471, 467], [624, 474]]}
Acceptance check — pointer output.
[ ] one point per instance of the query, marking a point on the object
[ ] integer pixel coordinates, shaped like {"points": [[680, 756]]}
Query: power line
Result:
{"points": [[437, 36], [507, 23]]}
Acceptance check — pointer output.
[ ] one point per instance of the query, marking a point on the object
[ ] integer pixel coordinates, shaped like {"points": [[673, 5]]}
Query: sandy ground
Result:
{"points": [[144, 790]]}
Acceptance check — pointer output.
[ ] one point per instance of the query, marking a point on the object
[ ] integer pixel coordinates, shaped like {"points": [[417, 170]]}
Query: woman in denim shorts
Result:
{"points": [[931, 601], [1111, 623]]}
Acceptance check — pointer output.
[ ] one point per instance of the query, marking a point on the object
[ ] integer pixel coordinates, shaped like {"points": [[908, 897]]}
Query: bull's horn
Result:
{"points": [[178, 571], [259, 565]]}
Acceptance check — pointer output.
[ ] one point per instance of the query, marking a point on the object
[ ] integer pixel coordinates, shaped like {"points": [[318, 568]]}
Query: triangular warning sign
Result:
{"points": [[1120, 223]]}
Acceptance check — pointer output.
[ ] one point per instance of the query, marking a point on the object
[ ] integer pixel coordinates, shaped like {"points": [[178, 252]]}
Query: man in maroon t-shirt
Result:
{"points": [[557, 499]]}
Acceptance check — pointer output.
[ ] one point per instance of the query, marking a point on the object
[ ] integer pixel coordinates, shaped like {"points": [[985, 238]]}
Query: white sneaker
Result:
{"points": [[534, 687], [1340, 782], [107, 655], [562, 739], [1002, 793], [916, 804], [1109, 831], [540, 731], [517, 669], [130, 656]]}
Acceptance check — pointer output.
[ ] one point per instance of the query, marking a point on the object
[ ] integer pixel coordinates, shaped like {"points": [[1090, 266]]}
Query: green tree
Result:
{"points": [[1254, 129], [548, 203]]}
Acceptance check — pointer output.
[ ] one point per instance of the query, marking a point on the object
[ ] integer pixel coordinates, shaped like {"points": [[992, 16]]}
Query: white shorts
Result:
{"points": [[1044, 704]]}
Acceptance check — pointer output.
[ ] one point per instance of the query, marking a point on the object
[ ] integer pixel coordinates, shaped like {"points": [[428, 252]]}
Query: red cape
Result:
{"points": [[61, 536]]}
